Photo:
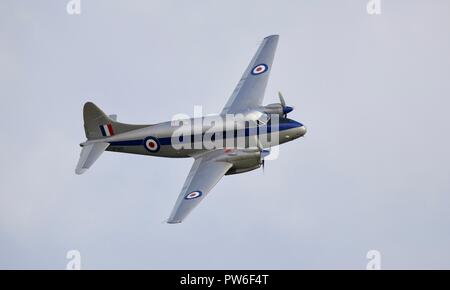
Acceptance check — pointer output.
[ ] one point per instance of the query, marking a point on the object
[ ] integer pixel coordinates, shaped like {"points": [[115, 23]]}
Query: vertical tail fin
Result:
{"points": [[98, 125]]}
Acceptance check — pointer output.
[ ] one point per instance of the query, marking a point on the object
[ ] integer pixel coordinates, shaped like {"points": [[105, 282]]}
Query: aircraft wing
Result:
{"points": [[204, 175], [249, 92]]}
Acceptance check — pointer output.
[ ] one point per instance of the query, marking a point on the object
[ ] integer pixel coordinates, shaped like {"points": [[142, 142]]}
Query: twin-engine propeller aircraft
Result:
{"points": [[238, 146]]}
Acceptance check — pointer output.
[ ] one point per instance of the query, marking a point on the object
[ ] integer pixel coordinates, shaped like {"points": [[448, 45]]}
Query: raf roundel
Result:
{"points": [[259, 69], [151, 144], [193, 195]]}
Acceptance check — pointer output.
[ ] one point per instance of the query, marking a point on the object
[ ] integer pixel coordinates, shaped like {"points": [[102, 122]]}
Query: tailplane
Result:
{"points": [[89, 154]]}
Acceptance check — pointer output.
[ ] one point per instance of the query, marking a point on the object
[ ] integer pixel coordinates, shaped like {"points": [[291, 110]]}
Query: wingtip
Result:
{"points": [[172, 222], [272, 36], [173, 219], [80, 171]]}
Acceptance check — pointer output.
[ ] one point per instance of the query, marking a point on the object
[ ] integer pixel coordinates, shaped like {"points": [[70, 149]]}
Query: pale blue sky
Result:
{"points": [[372, 172]]}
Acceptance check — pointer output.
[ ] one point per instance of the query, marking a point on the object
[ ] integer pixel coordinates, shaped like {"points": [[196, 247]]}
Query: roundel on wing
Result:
{"points": [[193, 195], [151, 144], [259, 69]]}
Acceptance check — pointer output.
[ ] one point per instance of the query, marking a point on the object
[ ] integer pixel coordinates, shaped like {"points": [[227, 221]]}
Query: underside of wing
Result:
{"points": [[249, 92], [204, 175]]}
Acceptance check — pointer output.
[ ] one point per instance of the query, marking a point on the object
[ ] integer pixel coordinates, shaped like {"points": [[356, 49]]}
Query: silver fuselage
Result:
{"points": [[167, 141]]}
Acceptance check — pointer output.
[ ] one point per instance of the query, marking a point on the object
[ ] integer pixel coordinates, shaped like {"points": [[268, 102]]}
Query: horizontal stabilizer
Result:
{"points": [[89, 154]]}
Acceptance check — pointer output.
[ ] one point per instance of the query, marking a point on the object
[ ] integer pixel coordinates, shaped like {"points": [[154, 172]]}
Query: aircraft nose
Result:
{"points": [[302, 131], [298, 130]]}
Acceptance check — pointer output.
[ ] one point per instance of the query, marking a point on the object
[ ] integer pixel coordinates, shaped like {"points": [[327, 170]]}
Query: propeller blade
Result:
{"points": [[286, 109], [282, 102]]}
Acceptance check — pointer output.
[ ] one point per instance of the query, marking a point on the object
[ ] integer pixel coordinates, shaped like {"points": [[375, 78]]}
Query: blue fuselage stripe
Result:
{"points": [[128, 143], [228, 134]]}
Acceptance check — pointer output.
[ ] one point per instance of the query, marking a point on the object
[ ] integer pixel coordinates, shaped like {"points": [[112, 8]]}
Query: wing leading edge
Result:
{"points": [[249, 92]]}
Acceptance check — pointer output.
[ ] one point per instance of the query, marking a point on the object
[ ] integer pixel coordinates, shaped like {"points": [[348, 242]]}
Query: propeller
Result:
{"points": [[286, 109]]}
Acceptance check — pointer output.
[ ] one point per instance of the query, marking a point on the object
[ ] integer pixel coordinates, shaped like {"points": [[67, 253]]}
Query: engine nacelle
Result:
{"points": [[237, 170], [243, 161], [273, 109], [277, 108]]}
